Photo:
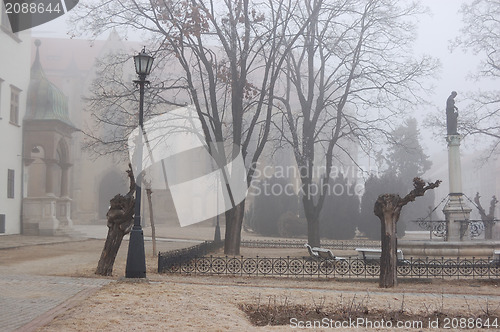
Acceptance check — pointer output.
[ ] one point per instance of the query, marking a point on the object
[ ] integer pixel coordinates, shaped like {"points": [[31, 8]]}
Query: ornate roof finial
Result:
{"points": [[36, 63]]}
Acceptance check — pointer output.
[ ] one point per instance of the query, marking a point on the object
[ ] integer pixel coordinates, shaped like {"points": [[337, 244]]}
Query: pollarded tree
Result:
{"points": [[388, 209], [119, 221], [374, 186], [488, 219], [230, 55], [348, 78]]}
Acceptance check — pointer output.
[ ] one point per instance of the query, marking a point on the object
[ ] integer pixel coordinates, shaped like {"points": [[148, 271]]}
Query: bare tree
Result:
{"points": [[388, 209], [351, 75], [488, 219], [120, 222], [149, 194], [481, 35], [229, 55], [113, 104]]}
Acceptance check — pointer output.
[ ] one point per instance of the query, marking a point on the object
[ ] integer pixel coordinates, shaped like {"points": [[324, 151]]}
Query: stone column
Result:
{"points": [[65, 180], [64, 202], [456, 209], [454, 164], [50, 176]]}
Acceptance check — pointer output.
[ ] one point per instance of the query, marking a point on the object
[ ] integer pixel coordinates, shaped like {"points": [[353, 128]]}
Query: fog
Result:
{"points": [[436, 31], [296, 149], [435, 34]]}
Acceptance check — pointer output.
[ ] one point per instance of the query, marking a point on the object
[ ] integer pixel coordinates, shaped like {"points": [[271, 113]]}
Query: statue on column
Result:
{"points": [[451, 114]]}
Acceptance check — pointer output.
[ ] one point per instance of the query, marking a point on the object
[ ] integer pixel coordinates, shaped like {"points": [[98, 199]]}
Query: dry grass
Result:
{"points": [[188, 303], [212, 303], [279, 311]]}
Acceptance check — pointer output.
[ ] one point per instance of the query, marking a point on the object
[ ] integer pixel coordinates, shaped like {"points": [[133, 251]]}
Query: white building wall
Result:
{"points": [[15, 51]]}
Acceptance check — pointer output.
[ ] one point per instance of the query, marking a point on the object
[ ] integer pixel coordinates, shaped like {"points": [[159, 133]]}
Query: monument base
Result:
{"points": [[456, 213], [477, 248], [47, 216]]}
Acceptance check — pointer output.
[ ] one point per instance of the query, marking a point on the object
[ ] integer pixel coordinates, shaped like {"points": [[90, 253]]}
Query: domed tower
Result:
{"points": [[47, 140]]}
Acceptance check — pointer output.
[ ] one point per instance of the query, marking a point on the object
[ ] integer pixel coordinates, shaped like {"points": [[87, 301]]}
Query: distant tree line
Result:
{"points": [[344, 211], [315, 73]]}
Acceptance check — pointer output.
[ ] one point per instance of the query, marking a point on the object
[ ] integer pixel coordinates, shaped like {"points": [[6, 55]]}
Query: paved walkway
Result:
{"points": [[28, 302]]}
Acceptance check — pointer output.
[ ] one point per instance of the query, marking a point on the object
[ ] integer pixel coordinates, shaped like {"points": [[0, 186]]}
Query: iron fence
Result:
{"points": [[457, 268], [338, 245], [185, 255]]}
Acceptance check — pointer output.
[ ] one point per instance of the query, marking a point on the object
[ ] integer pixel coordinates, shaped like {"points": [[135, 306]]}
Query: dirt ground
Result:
{"points": [[195, 303]]}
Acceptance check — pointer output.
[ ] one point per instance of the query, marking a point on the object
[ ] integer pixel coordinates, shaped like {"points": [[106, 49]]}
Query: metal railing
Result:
{"points": [[185, 255], [457, 268], [338, 245]]}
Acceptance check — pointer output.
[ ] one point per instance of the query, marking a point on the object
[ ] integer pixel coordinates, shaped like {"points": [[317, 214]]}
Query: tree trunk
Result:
{"points": [[234, 221], [388, 209], [313, 237], [387, 206], [313, 234], [110, 250], [388, 259], [120, 221], [488, 229], [152, 220]]}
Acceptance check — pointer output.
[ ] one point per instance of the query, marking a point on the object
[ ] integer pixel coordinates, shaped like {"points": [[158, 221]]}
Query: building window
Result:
{"points": [[2, 223], [14, 105], [10, 183]]}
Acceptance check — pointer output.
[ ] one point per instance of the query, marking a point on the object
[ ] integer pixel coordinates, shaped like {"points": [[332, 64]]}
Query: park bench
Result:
{"points": [[371, 255], [496, 258], [322, 253]]}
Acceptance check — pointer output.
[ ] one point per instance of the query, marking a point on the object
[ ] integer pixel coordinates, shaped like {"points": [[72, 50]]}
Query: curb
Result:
{"points": [[44, 243]]}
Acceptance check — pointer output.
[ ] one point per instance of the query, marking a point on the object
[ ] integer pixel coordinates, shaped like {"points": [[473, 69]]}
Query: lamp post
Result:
{"points": [[136, 258]]}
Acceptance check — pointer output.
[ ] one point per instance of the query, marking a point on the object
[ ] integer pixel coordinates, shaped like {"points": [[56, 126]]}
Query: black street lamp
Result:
{"points": [[136, 258]]}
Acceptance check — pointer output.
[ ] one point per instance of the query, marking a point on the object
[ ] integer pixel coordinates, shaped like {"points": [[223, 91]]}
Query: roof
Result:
{"points": [[45, 100], [69, 57]]}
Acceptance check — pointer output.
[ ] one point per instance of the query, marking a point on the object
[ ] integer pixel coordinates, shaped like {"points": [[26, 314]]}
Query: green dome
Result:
{"points": [[45, 100]]}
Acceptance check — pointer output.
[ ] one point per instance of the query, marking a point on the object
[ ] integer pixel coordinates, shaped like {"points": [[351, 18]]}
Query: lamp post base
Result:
{"points": [[136, 258], [217, 237]]}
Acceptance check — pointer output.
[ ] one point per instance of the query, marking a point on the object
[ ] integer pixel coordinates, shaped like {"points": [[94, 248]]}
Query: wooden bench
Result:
{"points": [[496, 258], [322, 253], [370, 255]]}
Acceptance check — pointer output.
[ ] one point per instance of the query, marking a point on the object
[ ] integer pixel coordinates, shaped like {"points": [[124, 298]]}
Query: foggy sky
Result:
{"points": [[435, 33]]}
